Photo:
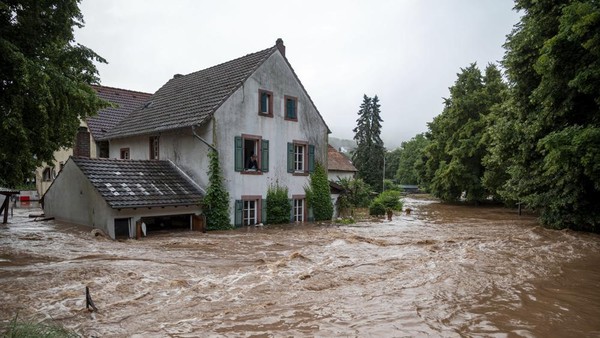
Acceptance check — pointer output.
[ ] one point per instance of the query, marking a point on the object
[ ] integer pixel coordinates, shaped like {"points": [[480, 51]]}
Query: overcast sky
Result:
{"points": [[407, 52]]}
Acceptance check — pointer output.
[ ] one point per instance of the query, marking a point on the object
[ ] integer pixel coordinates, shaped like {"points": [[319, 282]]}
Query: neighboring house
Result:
{"points": [[253, 105], [339, 165], [90, 131]]}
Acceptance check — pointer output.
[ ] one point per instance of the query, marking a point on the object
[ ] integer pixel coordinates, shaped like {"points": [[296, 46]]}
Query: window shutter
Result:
{"points": [[311, 158], [263, 212], [264, 155], [238, 213], [290, 157], [239, 154], [291, 210]]}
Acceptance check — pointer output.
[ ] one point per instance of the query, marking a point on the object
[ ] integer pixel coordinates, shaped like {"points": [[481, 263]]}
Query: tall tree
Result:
{"points": [[216, 201], [455, 156], [45, 82], [409, 159], [549, 133], [369, 155]]}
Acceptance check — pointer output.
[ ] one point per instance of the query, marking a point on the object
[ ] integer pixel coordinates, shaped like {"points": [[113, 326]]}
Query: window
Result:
{"points": [[250, 210], [298, 210], [299, 152], [265, 103], [291, 108], [251, 154], [301, 157], [154, 147], [124, 153], [47, 174]]}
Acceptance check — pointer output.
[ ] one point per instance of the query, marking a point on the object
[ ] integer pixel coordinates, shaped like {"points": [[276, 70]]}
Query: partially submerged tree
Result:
{"points": [[318, 194], [216, 201], [278, 205], [45, 82]]}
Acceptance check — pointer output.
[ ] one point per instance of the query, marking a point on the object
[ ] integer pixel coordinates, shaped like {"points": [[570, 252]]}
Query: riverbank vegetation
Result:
{"points": [[525, 131]]}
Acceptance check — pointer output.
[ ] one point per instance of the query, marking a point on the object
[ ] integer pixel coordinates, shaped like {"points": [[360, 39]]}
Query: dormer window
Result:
{"points": [[265, 103]]}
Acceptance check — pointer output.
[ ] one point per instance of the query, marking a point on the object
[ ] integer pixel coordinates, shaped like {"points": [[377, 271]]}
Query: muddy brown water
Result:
{"points": [[442, 271]]}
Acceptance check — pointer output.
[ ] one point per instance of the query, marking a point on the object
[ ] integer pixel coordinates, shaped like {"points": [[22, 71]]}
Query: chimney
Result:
{"points": [[280, 46], [176, 76]]}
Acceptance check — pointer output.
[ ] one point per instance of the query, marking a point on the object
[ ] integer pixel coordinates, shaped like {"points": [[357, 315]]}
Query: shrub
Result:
{"points": [[216, 201], [376, 208], [318, 194], [387, 200], [278, 205], [17, 328]]}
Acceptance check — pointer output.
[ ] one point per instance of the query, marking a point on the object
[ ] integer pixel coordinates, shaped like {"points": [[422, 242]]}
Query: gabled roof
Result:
{"points": [[125, 100], [188, 100], [337, 161], [141, 183]]}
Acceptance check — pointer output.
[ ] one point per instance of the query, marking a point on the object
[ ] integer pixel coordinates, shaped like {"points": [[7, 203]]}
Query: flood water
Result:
{"points": [[442, 271]]}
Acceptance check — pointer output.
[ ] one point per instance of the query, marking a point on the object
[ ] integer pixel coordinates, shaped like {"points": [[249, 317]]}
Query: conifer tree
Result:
{"points": [[369, 155]]}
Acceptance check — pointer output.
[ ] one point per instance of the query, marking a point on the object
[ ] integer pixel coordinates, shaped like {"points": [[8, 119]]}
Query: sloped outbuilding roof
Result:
{"points": [[337, 161], [140, 183], [125, 100]]}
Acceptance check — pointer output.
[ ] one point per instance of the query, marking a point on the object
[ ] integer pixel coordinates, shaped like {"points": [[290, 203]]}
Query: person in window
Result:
{"points": [[252, 164]]}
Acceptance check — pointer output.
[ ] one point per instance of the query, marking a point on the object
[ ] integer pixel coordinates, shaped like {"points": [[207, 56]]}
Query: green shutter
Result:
{"points": [[238, 213], [311, 158], [239, 154], [290, 157], [264, 155], [291, 108], [263, 212]]}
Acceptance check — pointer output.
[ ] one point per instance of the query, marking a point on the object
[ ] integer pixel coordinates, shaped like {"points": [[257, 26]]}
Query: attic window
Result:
{"points": [[265, 103], [291, 108]]}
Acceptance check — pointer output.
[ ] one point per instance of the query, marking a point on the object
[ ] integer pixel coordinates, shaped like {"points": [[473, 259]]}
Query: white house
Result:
{"points": [[252, 105]]}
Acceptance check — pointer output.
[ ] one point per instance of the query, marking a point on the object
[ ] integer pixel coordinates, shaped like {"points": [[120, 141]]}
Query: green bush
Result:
{"points": [[17, 329], [387, 200], [318, 194], [376, 208], [278, 205], [216, 201]]}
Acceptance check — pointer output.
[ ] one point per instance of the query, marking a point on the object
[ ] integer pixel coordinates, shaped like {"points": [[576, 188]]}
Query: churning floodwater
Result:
{"points": [[442, 271]]}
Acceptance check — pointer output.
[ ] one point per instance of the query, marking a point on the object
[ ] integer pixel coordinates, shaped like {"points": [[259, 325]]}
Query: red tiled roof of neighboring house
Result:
{"points": [[125, 100], [337, 161], [190, 100], [140, 183]]}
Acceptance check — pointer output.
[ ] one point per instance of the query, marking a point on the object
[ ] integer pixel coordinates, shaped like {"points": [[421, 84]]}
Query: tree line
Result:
{"points": [[528, 134]]}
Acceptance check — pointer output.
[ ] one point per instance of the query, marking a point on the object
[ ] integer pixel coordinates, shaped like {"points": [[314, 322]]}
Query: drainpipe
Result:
{"points": [[203, 140]]}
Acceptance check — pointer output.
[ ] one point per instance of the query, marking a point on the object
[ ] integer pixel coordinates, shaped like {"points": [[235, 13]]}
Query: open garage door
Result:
{"points": [[167, 223]]}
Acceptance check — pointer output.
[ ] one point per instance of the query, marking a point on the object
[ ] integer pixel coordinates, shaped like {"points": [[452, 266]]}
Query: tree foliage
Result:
{"points": [[45, 82], [387, 200], [454, 158], [369, 155], [548, 135], [357, 194], [410, 156], [278, 205], [318, 194], [216, 201]]}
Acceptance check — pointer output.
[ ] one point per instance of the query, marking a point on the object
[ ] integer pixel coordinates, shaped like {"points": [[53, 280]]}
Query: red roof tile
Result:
{"points": [[338, 162]]}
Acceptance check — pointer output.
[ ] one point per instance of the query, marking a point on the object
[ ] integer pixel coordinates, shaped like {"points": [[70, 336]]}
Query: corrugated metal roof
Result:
{"points": [[139, 183]]}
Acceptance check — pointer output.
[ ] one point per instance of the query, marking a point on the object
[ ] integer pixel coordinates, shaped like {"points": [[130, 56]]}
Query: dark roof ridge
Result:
{"points": [[121, 89]]}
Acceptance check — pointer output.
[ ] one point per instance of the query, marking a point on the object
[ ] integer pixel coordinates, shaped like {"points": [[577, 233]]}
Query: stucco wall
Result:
{"points": [[73, 199]]}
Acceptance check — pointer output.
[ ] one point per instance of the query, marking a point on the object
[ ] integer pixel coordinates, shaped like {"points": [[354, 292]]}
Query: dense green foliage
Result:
{"points": [[318, 194], [357, 194], [392, 160], [216, 201], [410, 158], [537, 139], [387, 200], [453, 163], [44, 83], [369, 154], [278, 205]]}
